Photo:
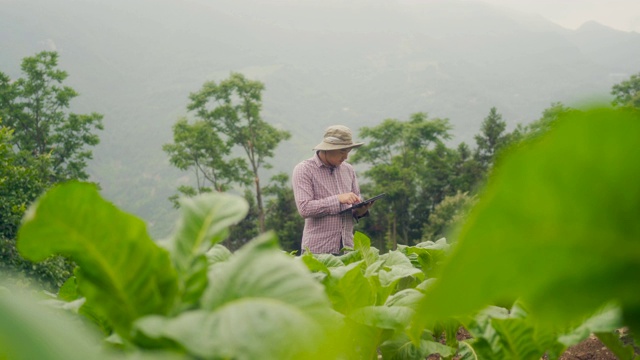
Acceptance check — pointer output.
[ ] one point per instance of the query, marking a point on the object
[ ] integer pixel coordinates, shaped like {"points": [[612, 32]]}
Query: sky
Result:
{"points": [[619, 14]]}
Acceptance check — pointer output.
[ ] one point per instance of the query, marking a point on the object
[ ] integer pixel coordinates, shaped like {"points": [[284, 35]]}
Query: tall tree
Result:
{"points": [[627, 93], [198, 148], [36, 106], [20, 185], [491, 138], [397, 152], [467, 171], [451, 211], [232, 107], [41, 143]]}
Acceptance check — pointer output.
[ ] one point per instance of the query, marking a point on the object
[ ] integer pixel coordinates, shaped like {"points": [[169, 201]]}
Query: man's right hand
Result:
{"points": [[348, 198]]}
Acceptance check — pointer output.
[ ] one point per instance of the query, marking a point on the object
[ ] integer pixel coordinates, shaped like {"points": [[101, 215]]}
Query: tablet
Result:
{"points": [[363, 203]]}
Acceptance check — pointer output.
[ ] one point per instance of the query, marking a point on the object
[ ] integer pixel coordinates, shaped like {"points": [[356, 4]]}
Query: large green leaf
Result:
{"points": [[31, 331], [383, 317], [408, 297], [260, 303], [204, 222], [557, 225], [122, 272], [605, 320], [248, 328], [349, 289], [362, 244], [517, 339], [261, 270], [388, 271]]}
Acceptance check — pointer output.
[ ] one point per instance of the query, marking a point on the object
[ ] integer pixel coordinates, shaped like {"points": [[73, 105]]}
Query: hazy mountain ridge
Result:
{"points": [[137, 61]]}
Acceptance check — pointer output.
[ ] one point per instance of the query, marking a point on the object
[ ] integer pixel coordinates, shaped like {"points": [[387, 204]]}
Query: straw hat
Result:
{"points": [[337, 137]]}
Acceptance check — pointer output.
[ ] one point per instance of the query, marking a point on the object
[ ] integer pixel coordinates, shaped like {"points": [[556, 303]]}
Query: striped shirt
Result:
{"points": [[316, 187]]}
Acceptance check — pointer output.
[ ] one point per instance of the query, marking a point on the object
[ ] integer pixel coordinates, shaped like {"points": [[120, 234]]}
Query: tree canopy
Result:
{"points": [[41, 143]]}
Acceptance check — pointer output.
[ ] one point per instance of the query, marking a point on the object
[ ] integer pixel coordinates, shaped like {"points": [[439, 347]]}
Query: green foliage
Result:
{"points": [[198, 147], [449, 213], [232, 109], [193, 297], [627, 93], [19, 186], [246, 229], [281, 213], [400, 155], [30, 331], [122, 272], [491, 138], [41, 143], [148, 294], [36, 108], [539, 127], [559, 217]]}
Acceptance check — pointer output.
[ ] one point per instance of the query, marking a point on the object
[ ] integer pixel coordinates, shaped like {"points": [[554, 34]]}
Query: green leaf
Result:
{"points": [[362, 244], [606, 320], [389, 278], [122, 272], [383, 317], [328, 260], [613, 343], [559, 216], [401, 348], [248, 328], [204, 222], [348, 288], [261, 303], [261, 270], [29, 330], [408, 298], [218, 254], [517, 339]]}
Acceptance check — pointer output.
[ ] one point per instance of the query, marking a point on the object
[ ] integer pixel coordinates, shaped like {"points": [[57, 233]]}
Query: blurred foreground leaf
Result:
{"points": [[557, 226], [122, 272]]}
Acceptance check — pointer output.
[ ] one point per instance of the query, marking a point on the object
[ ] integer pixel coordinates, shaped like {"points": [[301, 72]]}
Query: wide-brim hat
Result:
{"points": [[337, 137]]}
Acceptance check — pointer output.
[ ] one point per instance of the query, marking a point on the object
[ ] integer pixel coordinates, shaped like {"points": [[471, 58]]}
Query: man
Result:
{"points": [[323, 186]]}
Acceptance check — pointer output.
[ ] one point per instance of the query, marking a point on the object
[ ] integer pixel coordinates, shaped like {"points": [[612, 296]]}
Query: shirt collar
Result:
{"points": [[319, 163]]}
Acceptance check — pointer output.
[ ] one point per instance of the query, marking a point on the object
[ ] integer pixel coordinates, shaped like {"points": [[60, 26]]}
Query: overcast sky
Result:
{"points": [[618, 14]]}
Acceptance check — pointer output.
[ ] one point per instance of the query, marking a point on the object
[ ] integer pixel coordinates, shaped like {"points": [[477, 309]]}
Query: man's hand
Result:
{"points": [[363, 210], [348, 198]]}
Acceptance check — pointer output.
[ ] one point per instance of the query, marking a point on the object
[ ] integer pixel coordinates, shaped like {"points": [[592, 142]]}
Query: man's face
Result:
{"points": [[337, 157]]}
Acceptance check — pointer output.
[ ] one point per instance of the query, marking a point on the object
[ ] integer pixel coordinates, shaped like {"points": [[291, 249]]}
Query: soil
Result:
{"points": [[589, 349]]}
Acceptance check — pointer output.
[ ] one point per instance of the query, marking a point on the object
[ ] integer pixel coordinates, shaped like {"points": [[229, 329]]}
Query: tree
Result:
{"points": [[36, 107], [198, 148], [450, 212], [627, 93], [41, 143], [398, 155], [491, 138], [247, 229], [232, 108], [282, 213], [19, 187], [467, 171]]}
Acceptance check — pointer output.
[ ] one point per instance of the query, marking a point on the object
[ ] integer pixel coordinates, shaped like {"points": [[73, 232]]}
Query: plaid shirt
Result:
{"points": [[316, 187]]}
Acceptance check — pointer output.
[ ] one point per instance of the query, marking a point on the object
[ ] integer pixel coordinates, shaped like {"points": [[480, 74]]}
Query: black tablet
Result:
{"points": [[363, 203]]}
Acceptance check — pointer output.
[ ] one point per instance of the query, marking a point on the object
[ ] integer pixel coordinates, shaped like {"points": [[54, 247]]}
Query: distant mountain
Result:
{"points": [[323, 62]]}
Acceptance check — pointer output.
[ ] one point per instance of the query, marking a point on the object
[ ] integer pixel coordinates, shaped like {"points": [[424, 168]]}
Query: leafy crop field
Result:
{"points": [[549, 256]]}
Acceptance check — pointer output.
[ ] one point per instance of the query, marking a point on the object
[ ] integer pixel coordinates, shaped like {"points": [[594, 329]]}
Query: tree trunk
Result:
{"points": [[260, 208]]}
